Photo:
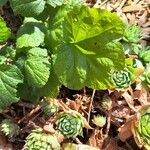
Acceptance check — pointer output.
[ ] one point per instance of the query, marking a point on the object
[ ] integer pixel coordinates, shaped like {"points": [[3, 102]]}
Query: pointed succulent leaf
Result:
{"points": [[140, 127], [39, 140], [99, 121], [70, 124], [132, 34], [124, 78], [9, 128], [50, 106]]}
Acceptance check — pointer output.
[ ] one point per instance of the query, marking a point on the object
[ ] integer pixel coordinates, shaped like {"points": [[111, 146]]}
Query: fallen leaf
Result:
{"points": [[125, 131]]}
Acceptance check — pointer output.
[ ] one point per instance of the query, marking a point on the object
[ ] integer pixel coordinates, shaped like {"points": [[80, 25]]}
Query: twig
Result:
{"points": [[108, 124], [30, 114], [90, 107]]}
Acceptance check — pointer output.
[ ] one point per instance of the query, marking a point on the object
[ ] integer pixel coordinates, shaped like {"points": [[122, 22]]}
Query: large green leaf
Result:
{"points": [[84, 53], [31, 34], [10, 77], [37, 67], [33, 94], [2, 2], [4, 31], [28, 8], [55, 3]]}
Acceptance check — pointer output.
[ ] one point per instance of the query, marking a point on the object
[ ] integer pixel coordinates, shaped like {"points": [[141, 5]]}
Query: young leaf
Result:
{"points": [[10, 77], [55, 3], [5, 32], [33, 94], [28, 8], [37, 67], [83, 47], [31, 34]]}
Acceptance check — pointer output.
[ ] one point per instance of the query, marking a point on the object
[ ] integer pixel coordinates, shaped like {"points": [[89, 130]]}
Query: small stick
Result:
{"points": [[30, 114], [90, 107]]}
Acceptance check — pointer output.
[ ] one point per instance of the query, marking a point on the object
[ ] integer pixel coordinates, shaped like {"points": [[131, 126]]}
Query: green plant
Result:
{"points": [[72, 146], [145, 77], [73, 45], [9, 128], [144, 55], [50, 107], [99, 120], [141, 128], [131, 39], [39, 140], [70, 124], [122, 78]]}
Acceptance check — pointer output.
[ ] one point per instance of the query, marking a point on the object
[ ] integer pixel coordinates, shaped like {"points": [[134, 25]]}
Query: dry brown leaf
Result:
{"points": [[95, 140], [129, 100], [132, 8], [49, 128], [125, 131], [4, 145], [112, 145]]}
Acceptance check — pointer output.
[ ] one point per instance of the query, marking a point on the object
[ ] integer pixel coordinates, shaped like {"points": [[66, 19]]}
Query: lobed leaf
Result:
{"points": [[10, 77], [83, 47]]}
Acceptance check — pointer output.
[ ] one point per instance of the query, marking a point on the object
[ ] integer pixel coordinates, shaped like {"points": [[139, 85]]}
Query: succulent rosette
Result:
{"points": [[50, 107], [141, 128], [122, 78], [144, 55], [132, 34], [9, 128], [146, 77], [39, 140], [70, 124]]}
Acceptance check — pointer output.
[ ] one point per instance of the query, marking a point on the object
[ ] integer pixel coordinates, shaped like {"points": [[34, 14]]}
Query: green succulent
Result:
{"points": [[132, 34], [131, 39], [141, 128], [9, 128], [146, 77], [122, 78], [50, 107], [39, 140], [99, 121], [70, 124], [144, 55], [72, 146]]}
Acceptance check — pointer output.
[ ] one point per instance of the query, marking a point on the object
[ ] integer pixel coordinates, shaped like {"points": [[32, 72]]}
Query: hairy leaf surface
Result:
{"points": [[31, 34], [10, 77], [37, 67], [84, 51], [28, 8]]}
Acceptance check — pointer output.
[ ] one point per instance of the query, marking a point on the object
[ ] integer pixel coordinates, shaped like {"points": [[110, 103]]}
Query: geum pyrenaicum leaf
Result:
{"points": [[10, 77], [5, 32], [83, 47], [31, 34], [33, 94], [55, 3], [3, 2], [28, 8], [37, 67]]}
